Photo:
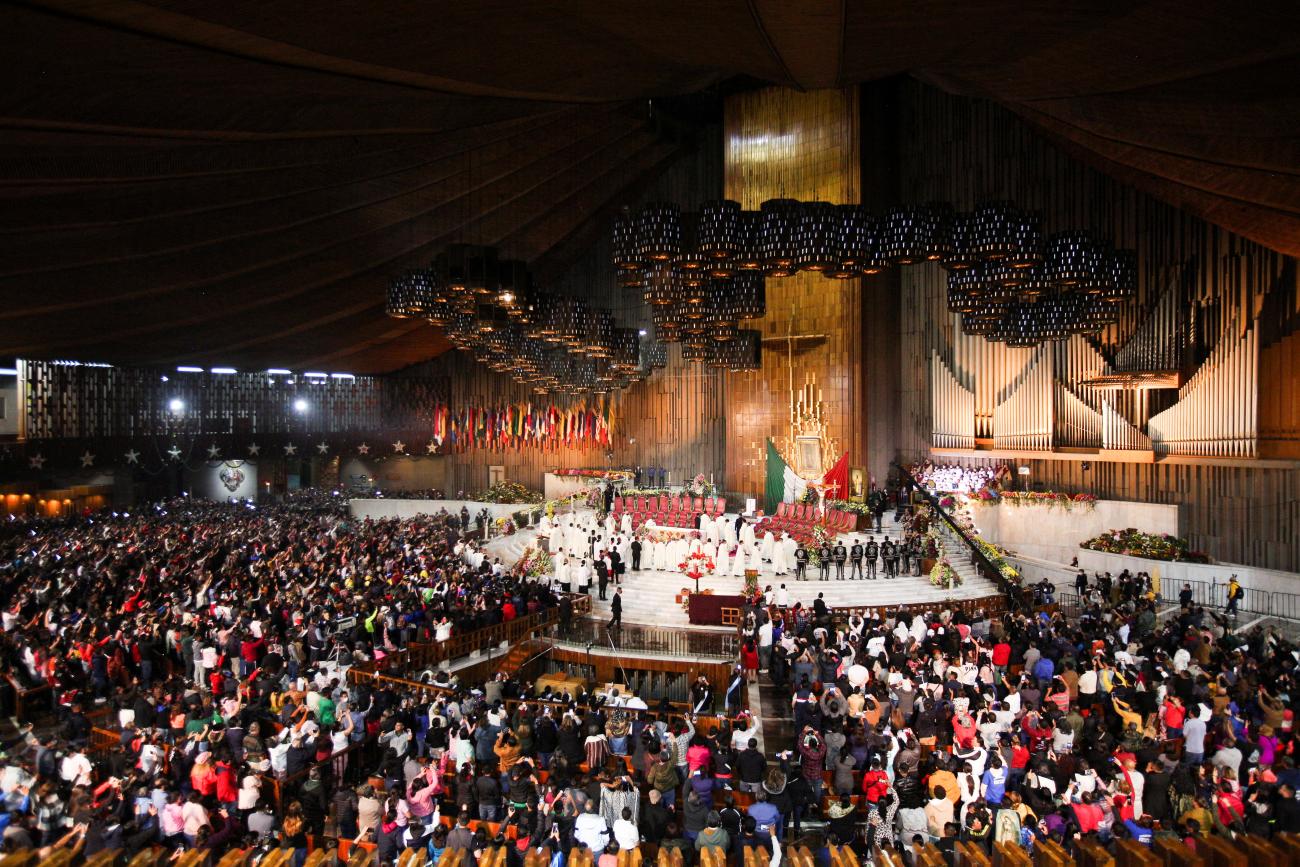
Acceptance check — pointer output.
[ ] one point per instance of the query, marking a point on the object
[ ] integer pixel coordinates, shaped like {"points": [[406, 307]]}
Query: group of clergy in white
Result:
{"points": [[575, 540]]}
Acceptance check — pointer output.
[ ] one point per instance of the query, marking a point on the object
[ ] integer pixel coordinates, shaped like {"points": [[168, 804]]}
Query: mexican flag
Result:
{"points": [[783, 484]]}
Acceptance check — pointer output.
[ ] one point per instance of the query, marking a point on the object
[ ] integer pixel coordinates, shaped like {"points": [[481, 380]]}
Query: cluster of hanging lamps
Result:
{"points": [[491, 308], [1008, 281]]}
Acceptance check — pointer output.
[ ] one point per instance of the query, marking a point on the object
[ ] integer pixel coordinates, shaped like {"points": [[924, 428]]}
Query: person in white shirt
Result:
{"points": [[76, 769], [590, 830], [625, 832], [782, 597]]}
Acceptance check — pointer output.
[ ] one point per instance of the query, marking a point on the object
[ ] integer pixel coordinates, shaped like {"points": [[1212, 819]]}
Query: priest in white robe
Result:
{"points": [[780, 565], [625, 524], [769, 543]]}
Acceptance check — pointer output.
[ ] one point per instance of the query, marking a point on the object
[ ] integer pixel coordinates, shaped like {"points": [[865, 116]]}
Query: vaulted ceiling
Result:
{"points": [[234, 182]]}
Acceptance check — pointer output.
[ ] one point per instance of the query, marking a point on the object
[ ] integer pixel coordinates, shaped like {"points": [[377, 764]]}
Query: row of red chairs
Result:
{"points": [[799, 519], [673, 510]]}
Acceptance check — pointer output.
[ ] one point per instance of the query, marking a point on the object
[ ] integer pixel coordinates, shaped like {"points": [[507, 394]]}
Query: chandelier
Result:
{"points": [[1007, 282], [491, 308]]}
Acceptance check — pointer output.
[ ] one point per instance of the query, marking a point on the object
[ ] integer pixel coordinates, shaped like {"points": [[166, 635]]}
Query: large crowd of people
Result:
{"points": [[214, 642]]}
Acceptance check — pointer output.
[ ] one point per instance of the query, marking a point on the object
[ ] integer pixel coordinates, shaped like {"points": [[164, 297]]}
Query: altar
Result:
{"points": [[705, 609]]}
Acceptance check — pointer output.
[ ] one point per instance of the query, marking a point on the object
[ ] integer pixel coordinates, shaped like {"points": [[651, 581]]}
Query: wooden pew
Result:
{"points": [[1290, 844], [667, 858], [1090, 853], [972, 855], [889, 858], [1176, 853], [1049, 854], [629, 857], [1131, 853], [1010, 855], [1262, 851], [1222, 853], [926, 855]]}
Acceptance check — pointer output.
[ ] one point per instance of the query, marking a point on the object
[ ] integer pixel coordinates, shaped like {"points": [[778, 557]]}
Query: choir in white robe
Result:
{"points": [[769, 542]]}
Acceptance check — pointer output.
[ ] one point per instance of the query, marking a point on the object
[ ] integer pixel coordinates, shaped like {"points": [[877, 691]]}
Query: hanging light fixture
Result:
{"points": [[908, 235], [939, 216], [816, 237], [626, 254], [993, 230], [690, 258], [749, 291], [1072, 258], [659, 232], [719, 231], [409, 294], [749, 255], [960, 232], [777, 241]]}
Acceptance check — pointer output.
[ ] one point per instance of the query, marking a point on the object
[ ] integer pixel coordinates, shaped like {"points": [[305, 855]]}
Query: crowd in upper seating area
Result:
{"points": [[213, 640]]}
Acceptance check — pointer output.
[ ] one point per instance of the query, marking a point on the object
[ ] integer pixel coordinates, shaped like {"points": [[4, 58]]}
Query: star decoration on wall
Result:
{"points": [[363, 449], [175, 452], [213, 452], [37, 461], [87, 459], [253, 449], [133, 457], [431, 447], [291, 449], [399, 446], [323, 448]]}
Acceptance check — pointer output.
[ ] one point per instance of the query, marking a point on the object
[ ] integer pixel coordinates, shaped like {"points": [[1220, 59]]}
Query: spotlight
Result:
{"points": [[278, 371], [641, 332], [176, 405], [300, 405], [188, 369], [225, 370]]}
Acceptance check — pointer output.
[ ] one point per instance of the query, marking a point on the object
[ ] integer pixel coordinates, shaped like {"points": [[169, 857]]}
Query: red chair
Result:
{"points": [[663, 504], [618, 505], [699, 505], [708, 505], [640, 504], [719, 506]]}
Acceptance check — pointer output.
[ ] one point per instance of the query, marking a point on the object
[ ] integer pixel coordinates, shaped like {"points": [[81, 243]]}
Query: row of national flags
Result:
{"points": [[523, 425]]}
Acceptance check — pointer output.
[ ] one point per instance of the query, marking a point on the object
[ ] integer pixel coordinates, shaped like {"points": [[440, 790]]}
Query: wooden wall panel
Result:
{"points": [[784, 143]]}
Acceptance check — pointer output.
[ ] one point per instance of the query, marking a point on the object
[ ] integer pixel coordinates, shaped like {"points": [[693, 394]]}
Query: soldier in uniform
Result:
{"points": [[890, 555], [855, 557], [841, 555], [800, 563], [872, 551], [914, 555], [905, 554], [824, 555]]}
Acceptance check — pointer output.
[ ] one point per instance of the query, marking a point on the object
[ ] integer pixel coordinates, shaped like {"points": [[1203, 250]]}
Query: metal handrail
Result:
{"points": [[1017, 596]]}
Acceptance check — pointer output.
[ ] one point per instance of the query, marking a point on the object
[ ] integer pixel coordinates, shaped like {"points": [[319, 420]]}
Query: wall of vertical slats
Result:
{"points": [[1199, 290], [801, 145], [1215, 413], [1024, 419], [1074, 422], [954, 408]]}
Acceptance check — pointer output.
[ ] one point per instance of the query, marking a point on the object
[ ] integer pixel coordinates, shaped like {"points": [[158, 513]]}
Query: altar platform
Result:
{"points": [[654, 598]]}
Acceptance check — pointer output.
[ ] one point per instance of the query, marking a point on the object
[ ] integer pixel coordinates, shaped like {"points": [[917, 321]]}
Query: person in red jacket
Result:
{"points": [[250, 651], [227, 783], [875, 784], [1001, 659], [1036, 731]]}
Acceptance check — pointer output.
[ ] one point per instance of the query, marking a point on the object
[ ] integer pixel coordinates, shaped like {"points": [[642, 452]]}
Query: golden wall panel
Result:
{"points": [[784, 143]]}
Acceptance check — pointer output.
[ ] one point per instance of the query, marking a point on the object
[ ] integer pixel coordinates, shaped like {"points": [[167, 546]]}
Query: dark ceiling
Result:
{"points": [[234, 182]]}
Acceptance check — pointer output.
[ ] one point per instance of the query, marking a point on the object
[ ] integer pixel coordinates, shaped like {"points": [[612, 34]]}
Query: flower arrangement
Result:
{"points": [[608, 475], [535, 563], [942, 574], [1153, 546], [700, 486], [1051, 499], [751, 582], [504, 527], [948, 501], [508, 492], [696, 566], [846, 506], [998, 557]]}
